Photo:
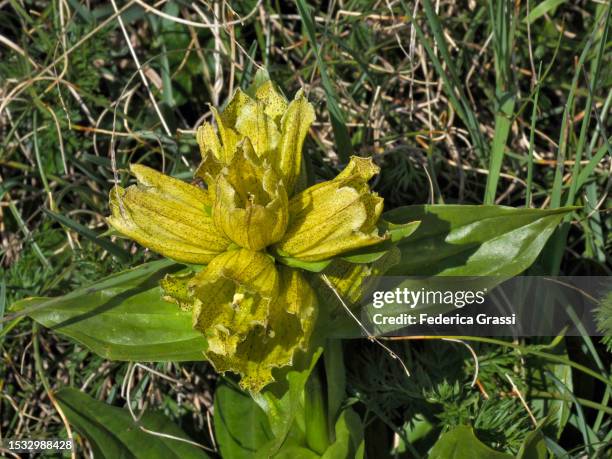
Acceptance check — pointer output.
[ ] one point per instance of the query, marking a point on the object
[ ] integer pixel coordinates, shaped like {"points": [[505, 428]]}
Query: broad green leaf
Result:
{"points": [[490, 243], [241, 426], [122, 317], [470, 240], [113, 433], [461, 443], [398, 232], [282, 401], [349, 437]]}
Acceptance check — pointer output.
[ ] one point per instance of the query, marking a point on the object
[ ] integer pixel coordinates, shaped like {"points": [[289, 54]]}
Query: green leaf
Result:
{"points": [[461, 443], [122, 317], [541, 9], [315, 413], [94, 237], [282, 401], [312, 266], [534, 446], [294, 451], [349, 437], [396, 233], [503, 122], [472, 240], [114, 434], [335, 370], [243, 429], [400, 231], [241, 426]]}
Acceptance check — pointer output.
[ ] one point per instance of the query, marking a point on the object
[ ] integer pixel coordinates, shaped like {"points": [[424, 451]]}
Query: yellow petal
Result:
{"points": [[239, 101], [235, 292], [226, 123], [253, 123], [274, 102], [360, 168], [167, 216], [294, 126], [175, 289], [229, 137], [290, 323], [334, 217], [211, 150], [350, 281], [250, 203], [208, 141], [169, 187]]}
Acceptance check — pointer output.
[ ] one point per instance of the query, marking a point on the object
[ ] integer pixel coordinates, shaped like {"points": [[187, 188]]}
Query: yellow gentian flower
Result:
{"points": [[250, 204], [254, 216]]}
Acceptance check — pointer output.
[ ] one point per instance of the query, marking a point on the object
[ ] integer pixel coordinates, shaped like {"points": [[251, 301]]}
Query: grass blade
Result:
{"points": [[452, 84], [542, 8], [89, 234], [556, 247], [503, 20], [534, 114], [503, 122], [343, 140], [2, 300]]}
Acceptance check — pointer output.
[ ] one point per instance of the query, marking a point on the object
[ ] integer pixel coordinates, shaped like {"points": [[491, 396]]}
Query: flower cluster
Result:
{"points": [[255, 214]]}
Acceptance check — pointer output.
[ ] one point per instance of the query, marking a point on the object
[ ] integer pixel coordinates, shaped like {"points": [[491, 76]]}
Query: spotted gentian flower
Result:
{"points": [[255, 213]]}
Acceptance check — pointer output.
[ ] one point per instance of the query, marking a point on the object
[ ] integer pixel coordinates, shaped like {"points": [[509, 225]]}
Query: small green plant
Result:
{"points": [[267, 266]]}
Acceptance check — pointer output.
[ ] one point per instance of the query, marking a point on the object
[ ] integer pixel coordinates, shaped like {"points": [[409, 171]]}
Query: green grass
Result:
{"points": [[448, 114]]}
